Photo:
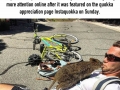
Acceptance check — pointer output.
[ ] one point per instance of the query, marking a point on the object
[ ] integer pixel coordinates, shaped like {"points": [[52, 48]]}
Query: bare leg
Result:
{"points": [[6, 87]]}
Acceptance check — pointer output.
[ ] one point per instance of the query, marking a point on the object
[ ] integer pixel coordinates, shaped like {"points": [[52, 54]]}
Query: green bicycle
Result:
{"points": [[57, 47]]}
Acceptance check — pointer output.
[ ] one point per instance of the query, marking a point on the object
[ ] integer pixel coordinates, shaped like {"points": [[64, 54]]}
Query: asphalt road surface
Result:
{"points": [[16, 46]]}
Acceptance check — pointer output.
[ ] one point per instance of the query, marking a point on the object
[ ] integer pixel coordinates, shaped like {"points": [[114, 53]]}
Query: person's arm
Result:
{"points": [[6, 87]]}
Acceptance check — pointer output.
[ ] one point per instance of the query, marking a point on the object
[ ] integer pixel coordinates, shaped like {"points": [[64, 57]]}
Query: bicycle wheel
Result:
{"points": [[74, 48], [34, 46], [65, 38], [36, 40], [54, 55], [74, 56], [41, 47], [69, 56]]}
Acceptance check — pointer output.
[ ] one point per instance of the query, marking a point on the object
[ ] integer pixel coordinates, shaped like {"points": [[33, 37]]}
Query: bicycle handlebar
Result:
{"points": [[35, 27]]}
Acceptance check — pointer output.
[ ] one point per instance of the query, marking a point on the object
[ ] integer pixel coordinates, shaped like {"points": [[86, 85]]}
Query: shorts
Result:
{"points": [[17, 88]]}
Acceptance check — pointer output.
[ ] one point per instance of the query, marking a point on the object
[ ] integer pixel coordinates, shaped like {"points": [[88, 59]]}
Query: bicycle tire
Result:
{"points": [[75, 57], [69, 56], [65, 38], [74, 48], [52, 56], [36, 40], [34, 46], [41, 47]]}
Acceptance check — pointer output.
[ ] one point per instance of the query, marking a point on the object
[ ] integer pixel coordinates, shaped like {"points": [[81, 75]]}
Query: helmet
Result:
{"points": [[34, 59]]}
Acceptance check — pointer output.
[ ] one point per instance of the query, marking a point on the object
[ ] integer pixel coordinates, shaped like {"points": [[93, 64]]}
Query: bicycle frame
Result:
{"points": [[59, 47]]}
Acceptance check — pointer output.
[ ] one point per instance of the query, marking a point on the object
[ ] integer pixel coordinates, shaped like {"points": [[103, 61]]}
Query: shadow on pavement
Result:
{"points": [[23, 26], [42, 27], [9, 67], [2, 45]]}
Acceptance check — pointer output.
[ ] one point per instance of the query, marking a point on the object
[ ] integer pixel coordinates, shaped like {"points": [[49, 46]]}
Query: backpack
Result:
{"points": [[103, 82], [34, 60]]}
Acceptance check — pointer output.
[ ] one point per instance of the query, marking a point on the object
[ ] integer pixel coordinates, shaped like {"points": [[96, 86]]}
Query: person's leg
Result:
{"points": [[11, 87], [6, 87]]}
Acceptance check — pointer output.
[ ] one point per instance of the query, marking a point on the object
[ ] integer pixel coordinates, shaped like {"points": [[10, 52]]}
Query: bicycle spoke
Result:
{"points": [[64, 38]]}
